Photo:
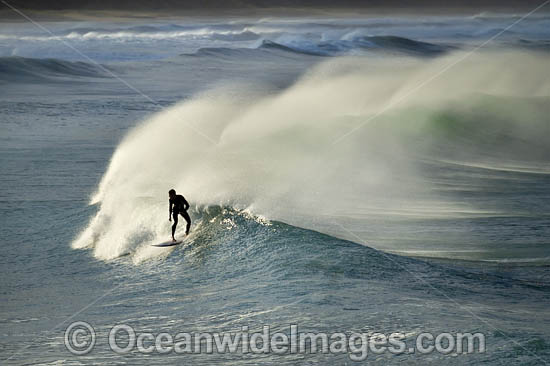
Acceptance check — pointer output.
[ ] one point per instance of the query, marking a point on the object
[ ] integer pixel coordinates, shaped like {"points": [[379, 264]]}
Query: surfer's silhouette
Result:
{"points": [[180, 206]]}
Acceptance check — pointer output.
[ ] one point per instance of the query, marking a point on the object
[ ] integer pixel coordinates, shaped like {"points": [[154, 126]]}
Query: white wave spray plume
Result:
{"points": [[275, 155]]}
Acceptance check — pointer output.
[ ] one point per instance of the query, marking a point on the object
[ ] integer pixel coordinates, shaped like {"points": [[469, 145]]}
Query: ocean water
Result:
{"points": [[378, 174]]}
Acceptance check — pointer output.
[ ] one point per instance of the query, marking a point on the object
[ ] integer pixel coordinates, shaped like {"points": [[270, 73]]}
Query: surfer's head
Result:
{"points": [[172, 193]]}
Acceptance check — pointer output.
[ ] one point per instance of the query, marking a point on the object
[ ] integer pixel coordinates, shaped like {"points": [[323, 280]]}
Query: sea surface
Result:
{"points": [[386, 174]]}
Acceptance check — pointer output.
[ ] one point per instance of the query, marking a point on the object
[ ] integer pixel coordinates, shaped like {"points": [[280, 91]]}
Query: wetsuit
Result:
{"points": [[180, 206]]}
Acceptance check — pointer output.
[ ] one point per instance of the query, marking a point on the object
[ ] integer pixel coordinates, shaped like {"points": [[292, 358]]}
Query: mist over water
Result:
{"points": [[348, 140]]}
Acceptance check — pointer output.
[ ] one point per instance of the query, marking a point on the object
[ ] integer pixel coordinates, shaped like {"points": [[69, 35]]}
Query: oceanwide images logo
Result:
{"points": [[80, 339]]}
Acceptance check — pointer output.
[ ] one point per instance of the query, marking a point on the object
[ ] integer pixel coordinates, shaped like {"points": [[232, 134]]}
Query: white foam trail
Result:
{"points": [[274, 154], [130, 35]]}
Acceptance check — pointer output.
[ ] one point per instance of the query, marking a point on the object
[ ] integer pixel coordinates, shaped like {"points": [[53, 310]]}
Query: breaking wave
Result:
{"points": [[33, 69], [291, 156]]}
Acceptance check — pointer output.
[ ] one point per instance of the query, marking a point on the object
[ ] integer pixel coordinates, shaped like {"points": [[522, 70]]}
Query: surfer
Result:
{"points": [[180, 206]]}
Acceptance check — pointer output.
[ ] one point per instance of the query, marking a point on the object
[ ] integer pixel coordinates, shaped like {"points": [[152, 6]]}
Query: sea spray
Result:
{"points": [[289, 156]]}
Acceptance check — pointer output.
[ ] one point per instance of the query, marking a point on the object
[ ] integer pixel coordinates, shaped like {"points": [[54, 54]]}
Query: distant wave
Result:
{"points": [[239, 35], [266, 49], [270, 45], [389, 43], [134, 29], [31, 69], [163, 28], [404, 44], [334, 48], [143, 33]]}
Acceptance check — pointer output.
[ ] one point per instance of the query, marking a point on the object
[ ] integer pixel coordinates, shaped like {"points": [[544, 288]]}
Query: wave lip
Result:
{"points": [[15, 68]]}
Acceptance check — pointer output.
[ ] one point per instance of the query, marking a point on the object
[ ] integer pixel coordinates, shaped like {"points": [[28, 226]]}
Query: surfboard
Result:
{"points": [[168, 243]]}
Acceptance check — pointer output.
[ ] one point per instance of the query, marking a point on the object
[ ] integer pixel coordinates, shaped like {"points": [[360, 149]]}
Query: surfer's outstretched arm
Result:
{"points": [[185, 204], [169, 210]]}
